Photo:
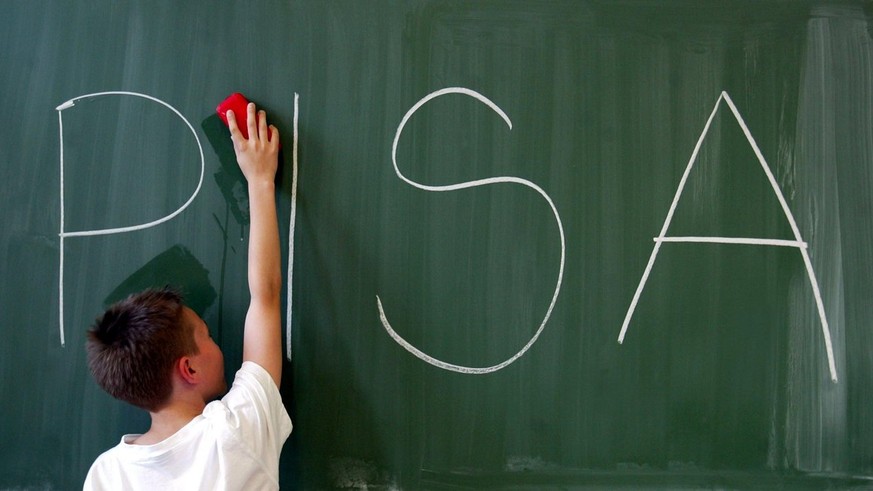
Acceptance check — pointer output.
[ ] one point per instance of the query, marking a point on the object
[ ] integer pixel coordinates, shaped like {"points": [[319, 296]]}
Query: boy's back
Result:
{"points": [[234, 444]]}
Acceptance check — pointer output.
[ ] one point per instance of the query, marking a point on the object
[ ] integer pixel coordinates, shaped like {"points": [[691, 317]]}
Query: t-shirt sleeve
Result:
{"points": [[91, 481], [103, 475], [254, 408]]}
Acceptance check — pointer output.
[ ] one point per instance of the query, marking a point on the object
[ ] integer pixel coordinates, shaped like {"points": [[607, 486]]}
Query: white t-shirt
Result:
{"points": [[234, 445]]}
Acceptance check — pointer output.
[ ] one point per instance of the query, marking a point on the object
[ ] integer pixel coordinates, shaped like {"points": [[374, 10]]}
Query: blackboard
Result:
{"points": [[489, 195]]}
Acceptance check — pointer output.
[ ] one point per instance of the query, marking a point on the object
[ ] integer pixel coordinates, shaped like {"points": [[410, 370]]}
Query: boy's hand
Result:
{"points": [[258, 155]]}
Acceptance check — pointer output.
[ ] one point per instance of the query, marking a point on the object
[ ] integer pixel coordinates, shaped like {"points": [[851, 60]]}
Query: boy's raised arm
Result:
{"points": [[258, 159]]}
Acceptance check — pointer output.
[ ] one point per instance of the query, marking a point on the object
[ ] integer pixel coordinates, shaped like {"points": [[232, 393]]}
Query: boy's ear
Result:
{"points": [[185, 369]]}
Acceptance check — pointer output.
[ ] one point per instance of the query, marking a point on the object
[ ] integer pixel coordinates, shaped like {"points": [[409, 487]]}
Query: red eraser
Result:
{"points": [[238, 104]]}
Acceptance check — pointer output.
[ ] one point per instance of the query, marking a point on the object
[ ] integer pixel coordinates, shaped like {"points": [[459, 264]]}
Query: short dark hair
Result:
{"points": [[133, 346]]}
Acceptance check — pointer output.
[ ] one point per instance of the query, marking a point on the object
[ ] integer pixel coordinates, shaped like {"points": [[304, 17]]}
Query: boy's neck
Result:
{"points": [[168, 420]]}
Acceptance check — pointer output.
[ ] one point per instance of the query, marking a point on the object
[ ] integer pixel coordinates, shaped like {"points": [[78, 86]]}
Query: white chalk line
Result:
{"points": [[84, 233], [291, 224], [61, 233], [798, 242], [734, 240], [470, 184]]}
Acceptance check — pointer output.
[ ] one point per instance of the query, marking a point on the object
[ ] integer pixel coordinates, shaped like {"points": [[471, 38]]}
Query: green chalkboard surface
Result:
{"points": [[531, 244]]}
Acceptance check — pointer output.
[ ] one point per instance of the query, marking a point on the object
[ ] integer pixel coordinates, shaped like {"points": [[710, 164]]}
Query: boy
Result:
{"points": [[153, 352]]}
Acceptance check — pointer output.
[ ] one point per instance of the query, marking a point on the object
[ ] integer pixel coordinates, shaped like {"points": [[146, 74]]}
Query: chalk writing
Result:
{"points": [[659, 240]]}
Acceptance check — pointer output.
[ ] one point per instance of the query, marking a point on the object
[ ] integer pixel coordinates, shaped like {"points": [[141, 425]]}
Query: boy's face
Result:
{"points": [[210, 360]]}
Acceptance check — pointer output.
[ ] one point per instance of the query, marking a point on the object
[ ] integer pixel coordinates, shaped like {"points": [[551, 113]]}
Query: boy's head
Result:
{"points": [[133, 348]]}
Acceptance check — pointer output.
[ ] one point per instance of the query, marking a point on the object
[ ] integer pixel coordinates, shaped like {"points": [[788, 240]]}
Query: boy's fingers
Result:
{"points": [[262, 124], [231, 122], [275, 136], [251, 120]]}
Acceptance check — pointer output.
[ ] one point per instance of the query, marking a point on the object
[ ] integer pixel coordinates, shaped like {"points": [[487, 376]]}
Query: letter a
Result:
{"points": [[798, 242]]}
